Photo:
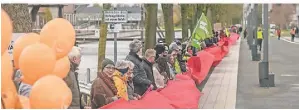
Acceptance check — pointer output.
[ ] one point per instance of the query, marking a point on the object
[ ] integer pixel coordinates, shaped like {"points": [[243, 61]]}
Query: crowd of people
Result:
{"points": [[132, 77]]}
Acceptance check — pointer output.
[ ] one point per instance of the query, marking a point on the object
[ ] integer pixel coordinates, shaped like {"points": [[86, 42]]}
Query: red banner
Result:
{"points": [[182, 93], [200, 65], [153, 100]]}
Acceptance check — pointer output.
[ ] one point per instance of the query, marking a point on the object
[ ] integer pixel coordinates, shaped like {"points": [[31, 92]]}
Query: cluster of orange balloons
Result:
{"points": [[43, 61]]}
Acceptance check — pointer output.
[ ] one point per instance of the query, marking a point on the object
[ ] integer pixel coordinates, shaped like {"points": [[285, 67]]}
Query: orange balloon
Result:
{"points": [[8, 89], [24, 101], [62, 67], [6, 72], [10, 97], [50, 92], [6, 31], [60, 35], [21, 43], [36, 60]]}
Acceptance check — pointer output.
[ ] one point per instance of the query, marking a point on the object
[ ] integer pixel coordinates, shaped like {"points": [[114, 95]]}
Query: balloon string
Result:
{"points": [[2, 102]]}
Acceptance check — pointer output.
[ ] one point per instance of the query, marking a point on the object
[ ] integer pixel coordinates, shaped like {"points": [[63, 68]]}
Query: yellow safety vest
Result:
{"points": [[226, 32], [259, 34]]}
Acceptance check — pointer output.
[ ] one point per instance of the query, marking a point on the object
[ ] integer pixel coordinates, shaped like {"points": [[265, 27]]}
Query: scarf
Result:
{"points": [[109, 82]]}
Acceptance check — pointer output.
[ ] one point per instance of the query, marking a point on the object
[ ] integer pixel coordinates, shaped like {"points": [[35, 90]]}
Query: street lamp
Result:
{"points": [[254, 53], [265, 79]]}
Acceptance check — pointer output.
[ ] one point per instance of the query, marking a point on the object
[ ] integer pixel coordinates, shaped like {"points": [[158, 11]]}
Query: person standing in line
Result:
{"points": [[293, 32], [130, 84], [103, 90], [260, 38], [140, 79], [120, 78], [240, 29], [245, 33], [147, 64], [72, 78]]}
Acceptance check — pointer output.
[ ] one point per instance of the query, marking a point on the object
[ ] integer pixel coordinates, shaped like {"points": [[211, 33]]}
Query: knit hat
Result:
{"points": [[135, 46], [106, 62]]}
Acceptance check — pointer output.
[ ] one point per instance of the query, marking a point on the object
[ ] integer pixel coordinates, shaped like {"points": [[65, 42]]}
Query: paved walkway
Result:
{"points": [[283, 61], [220, 90]]}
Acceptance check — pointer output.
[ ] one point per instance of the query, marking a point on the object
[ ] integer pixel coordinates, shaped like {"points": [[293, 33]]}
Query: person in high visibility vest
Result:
{"points": [[293, 32], [226, 32], [260, 38]]}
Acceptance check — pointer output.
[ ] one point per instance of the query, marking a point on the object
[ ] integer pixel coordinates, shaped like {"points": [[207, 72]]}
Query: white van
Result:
{"points": [[272, 28]]}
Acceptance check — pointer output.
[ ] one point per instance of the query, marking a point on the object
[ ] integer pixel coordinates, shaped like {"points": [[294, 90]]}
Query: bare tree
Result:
{"points": [[150, 25], [20, 16], [184, 14], [168, 22], [103, 38]]}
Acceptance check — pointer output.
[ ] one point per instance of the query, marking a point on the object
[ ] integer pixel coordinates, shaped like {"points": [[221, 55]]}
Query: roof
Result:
{"points": [[134, 9], [85, 9]]}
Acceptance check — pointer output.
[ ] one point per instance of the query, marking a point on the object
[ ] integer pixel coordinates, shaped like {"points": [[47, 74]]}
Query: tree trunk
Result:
{"points": [[103, 38], [209, 14], [205, 9], [20, 16], [184, 15], [150, 25], [168, 22], [193, 20]]}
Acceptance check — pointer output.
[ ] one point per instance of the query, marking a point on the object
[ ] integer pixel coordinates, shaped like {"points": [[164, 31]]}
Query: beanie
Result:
{"points": [[106, 62]]}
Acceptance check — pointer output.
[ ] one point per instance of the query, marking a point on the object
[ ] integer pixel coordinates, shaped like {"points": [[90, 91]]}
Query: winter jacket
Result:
{"points": [[72, 82], [171, 71], [121, 85], [148, 68], [159, 78], [101, 94], [141, 82]]}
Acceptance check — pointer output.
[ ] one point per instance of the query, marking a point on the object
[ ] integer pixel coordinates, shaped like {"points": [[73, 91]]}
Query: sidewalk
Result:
{"points": [[283, 61], [220, 90], [288, 39]]}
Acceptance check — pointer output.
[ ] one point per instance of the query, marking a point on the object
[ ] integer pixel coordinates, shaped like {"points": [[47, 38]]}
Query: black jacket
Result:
{"points": [[148, 68], [141, 82]]}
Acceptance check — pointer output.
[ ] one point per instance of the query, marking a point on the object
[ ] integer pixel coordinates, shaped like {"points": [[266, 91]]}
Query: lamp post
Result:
{"points": [[265, 79], [254, 53]]}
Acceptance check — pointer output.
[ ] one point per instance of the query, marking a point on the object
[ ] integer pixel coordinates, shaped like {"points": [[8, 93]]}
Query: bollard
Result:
{"points": [[88, 76]]}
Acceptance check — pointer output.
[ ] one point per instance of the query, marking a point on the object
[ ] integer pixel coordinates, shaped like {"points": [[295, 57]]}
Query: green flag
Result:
{"points": [[202, 31]]}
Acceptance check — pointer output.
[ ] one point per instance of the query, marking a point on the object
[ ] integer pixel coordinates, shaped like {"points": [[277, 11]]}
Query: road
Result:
{"points": [[123, 35], [283, 61], [90, 55]]}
